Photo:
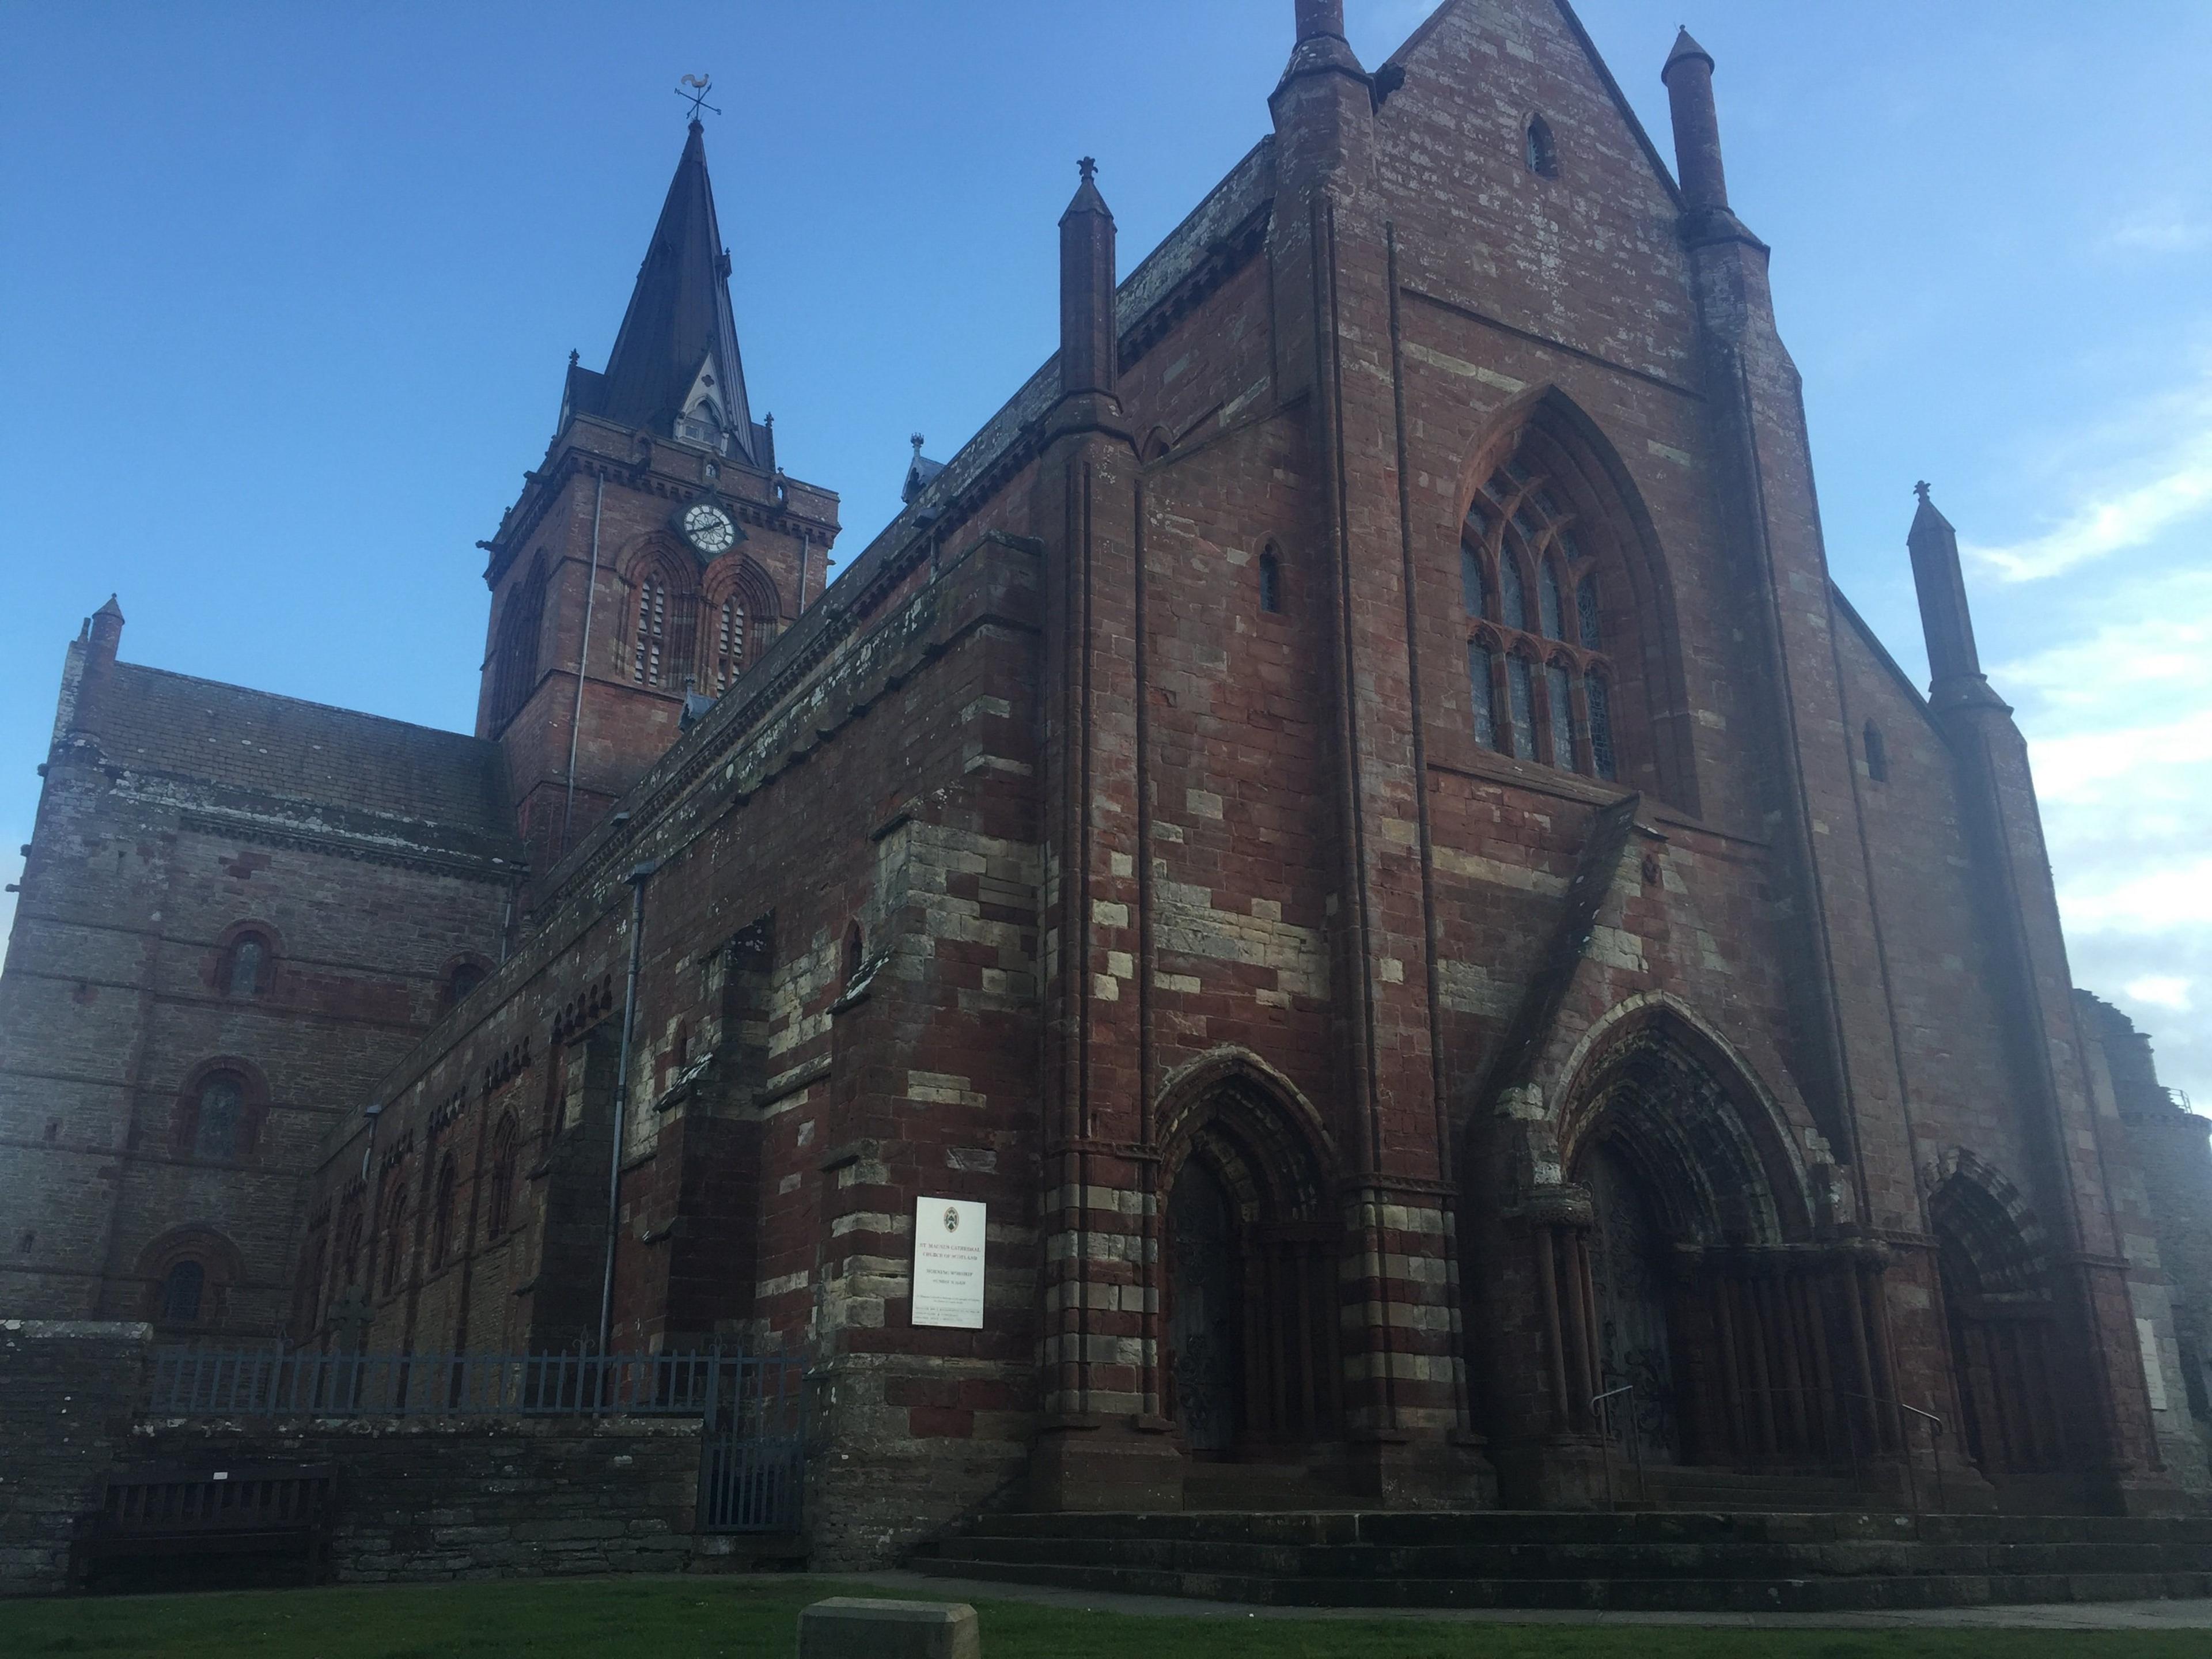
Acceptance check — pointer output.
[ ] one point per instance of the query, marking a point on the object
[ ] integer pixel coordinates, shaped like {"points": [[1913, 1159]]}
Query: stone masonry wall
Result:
{"points": [[66, 1390]]}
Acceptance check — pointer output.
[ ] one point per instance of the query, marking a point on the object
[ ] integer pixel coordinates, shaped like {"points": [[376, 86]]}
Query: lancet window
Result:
{"points": [[729, 642], [1539, 685]]}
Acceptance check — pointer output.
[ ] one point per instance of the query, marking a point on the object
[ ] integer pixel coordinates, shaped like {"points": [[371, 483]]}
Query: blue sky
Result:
{"points": [[289, 289]]}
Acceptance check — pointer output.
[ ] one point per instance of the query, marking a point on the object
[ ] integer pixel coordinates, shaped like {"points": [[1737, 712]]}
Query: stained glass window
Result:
{"points": [[1474, 589], [1482, 699], [1559, 687], [1586, 611], [1547, 601], [1521, 695], [1515, 610], [1601, 725]]}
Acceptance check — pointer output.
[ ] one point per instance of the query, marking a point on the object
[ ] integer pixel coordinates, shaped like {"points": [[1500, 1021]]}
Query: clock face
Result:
{"points": [[707, 528]]}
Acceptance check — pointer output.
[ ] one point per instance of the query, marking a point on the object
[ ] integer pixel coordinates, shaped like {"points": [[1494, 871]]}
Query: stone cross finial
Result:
{"points": [[1921, 489], [914, 438], [1088, 167]]}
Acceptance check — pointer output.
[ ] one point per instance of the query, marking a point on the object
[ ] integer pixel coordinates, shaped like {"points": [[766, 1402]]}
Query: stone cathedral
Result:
{"points": [[1350, 818]]}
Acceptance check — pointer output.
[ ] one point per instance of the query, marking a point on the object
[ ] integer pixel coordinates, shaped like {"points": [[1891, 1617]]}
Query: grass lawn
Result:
{"points": [[704, 1617]]}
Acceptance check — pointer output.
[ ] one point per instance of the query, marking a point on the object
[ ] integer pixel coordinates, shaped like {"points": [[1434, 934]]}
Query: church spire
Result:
{"points": [[674, 369]]}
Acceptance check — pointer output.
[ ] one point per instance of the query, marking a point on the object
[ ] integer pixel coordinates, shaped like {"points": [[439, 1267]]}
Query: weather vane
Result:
{"points": [[697, 94]]}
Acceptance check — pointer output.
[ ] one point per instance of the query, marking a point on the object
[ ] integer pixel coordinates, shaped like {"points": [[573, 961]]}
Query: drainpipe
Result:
{"points": [[639, 875], [583, 662]]}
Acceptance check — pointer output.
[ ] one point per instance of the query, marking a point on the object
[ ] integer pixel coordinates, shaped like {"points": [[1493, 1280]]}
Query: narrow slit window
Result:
{"points": [[1586, 611], [1521, 698], [1482, 700], [1548, 606], [1558, 690], [1540, 152], [1271, 582], [1514, 606], [1877, 754], [1601, 727]]}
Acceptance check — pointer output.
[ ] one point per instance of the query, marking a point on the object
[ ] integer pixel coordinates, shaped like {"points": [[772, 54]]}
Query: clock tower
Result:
{"points": [[654, 554]]}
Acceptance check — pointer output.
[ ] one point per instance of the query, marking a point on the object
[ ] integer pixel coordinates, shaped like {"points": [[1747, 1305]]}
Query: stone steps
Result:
{"points": [[1651, 1560]]}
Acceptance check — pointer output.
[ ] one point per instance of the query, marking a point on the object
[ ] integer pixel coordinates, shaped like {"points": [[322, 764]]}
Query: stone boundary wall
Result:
{"points": [[67, 1387], [418, 1498], [425, 1498]]}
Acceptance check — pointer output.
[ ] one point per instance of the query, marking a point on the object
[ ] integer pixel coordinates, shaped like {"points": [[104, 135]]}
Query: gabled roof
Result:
{"points": [[261, 758], [679, 317]]}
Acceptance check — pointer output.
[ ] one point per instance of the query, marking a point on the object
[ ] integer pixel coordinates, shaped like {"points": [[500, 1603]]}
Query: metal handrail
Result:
{"points": [[1604, 1420], [1935, 1431]]}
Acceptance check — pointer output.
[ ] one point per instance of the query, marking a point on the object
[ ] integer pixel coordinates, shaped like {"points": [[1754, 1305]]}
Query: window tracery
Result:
{"points": [[1543, 692]]}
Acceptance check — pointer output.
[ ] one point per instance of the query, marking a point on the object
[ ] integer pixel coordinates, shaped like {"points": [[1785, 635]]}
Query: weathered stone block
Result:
{"points": [[861, 1627]]}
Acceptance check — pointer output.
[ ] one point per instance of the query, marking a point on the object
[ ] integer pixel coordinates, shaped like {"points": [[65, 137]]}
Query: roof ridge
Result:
{"points": [[148, 669]]}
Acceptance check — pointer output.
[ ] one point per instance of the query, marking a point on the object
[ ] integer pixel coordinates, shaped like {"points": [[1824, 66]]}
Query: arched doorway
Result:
{"points": [[1249, 1306], [2002, 1329], [1680, 1264]]}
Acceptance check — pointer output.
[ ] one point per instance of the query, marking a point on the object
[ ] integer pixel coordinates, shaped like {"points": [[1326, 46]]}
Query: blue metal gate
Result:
{"points": [[752, 1465]]}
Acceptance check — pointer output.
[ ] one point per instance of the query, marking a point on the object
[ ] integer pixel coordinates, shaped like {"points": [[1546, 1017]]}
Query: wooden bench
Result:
{"points": [[233, 1509]]}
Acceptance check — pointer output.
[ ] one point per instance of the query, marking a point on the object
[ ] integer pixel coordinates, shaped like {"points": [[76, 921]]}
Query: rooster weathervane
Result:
{"points": [[696, 85]]}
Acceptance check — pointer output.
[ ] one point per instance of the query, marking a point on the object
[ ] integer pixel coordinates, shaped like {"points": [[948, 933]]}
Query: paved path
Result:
{"points": [[2063, 1615]]}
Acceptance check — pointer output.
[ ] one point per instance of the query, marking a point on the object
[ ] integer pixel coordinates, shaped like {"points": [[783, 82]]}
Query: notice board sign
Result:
{"points": [[948, 1262]]}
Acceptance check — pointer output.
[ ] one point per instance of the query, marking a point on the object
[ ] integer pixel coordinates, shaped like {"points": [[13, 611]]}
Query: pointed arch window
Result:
{"points": [[1538, 150], [1539, 686], [514, 656], [1877, 754], [394, 1242], [441, 1213], [499, 1207], [1271, 582]]}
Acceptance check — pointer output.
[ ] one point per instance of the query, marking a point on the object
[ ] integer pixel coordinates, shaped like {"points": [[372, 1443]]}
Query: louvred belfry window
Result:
{"points": [[1539, 687], [729, 643], [650, 662]]}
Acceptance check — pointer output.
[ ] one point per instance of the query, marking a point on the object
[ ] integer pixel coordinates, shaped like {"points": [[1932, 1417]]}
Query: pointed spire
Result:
{"points": [[676, 356], [1087, 341], [1955, 665], [1689, 76]]}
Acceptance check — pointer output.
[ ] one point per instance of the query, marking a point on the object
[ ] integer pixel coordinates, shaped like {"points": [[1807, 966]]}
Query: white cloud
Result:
{"points": [[2169, 484], [2166, 227], [2161, 990]]}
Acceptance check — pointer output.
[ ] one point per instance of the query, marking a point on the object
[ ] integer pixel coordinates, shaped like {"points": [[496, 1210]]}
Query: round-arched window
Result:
{"points": [[218, 1119], [182, 1292], [246, 974]]}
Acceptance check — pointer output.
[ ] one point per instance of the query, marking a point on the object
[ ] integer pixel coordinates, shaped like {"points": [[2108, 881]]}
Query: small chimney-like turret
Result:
{"points": [[1320, 17], [104, 635], [1087, 343], [1955, 665], [1689, 78]]}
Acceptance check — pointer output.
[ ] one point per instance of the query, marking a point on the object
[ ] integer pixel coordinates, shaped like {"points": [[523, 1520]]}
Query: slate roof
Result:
{"points": [[679, 311], [312, 768]]}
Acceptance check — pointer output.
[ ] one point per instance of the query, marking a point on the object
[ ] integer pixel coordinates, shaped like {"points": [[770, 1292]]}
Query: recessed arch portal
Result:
{"points": [[1250, 1253]]}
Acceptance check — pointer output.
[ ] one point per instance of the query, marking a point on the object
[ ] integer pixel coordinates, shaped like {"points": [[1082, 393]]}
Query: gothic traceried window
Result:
{"points": [[1547, 601], [1520, 701], [1482, 695], [1538, 689], [1559, 694]]}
